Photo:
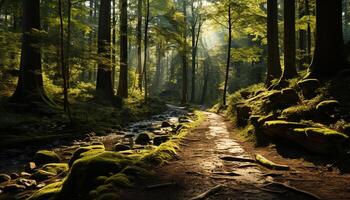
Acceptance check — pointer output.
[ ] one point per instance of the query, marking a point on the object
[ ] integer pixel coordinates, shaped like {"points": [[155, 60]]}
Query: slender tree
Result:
{"points": [[273, 57], [289, 40], [329, 58], [228, 60], [104, 89], [123, 42], [114, 42], [30, 86], [184, 55], [139, 42], [145, 44]]}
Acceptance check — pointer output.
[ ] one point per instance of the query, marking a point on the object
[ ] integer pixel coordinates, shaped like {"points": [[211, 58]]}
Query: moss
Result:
{"points": [[56, 168], [48, 192], [41, 175], [45, 156], [329, 104], [119, 180], [82, 177], [137, 172], [320, 132], [108, 196], [86, 151]]}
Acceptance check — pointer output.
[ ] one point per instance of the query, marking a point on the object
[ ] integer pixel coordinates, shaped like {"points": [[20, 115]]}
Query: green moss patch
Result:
{"points": [[48, 192], [44, 156]]}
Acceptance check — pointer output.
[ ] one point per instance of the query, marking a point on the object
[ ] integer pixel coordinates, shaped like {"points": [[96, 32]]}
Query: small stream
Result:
{"points": [[14, 159]]}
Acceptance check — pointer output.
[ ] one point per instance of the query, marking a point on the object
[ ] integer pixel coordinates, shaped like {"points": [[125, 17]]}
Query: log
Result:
{"points": [[207, 193], [226, 173], [269, 164], [161, 185]]}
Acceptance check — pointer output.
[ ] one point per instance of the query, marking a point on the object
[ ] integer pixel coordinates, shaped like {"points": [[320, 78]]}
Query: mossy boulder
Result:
{"points": [[44, 156], [281, 99], [243, 112], [309, 87], [4, 178], [298, 112], [121, 147], [137, 172], [56, 168], [328, 106], [143, 139], [86, 151], [280, 127], [48, 192], [119, 180], [158, 140], [42, 175], [319, 140], [83, 174]]}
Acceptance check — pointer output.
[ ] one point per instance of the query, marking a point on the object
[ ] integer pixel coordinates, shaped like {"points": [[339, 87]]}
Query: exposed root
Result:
{"points": [[208, 192]]}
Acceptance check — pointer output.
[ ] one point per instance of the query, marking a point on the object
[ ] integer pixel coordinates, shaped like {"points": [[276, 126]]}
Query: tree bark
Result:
{"points": [[289, 40], [228, 61], [123, 75], [302, 39], [114, 23], [144, 71], [139, 41], [30, 86], [329, 56], [104, 90], [273, 56], [184, 55]]}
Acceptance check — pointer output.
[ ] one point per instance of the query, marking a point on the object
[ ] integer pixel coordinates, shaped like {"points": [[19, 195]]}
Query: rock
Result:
{"points": [[26, 182], [143, 138], [85, 151], [243, 113], [184, 119], [121, 147], [11, 188], [290, 96], [29, 167], [56, 168], [41, 185], [97, 143], [245, 94], [254, 120], [328, 106], [44, 156], [129, 135], [281, 99], [308, 87], [14, 175], [84, 172], [41, 175], [158, 140], [159, 132], [4, 178], [263, 119], [279, 128], [25, 174], [166, 124]]}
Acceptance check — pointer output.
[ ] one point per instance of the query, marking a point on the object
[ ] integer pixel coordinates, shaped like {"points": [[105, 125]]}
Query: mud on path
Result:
{"points": [[199, 167]]}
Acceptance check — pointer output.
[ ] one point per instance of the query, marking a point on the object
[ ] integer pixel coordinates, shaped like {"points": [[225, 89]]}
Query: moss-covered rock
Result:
{"points": [[41, 175], [137, 172], [4, 178], [328, 106], [82, 177], [243, 112], [280, 99], [280, 127], [119, 180], [86, 151], [56, 168], [309, 87], [48, 192], [44, 156], [143, 139], [158, 140], [121, 147]]}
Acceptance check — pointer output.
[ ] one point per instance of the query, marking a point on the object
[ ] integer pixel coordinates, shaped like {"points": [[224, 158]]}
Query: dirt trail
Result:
{"points": [[198, 169]]}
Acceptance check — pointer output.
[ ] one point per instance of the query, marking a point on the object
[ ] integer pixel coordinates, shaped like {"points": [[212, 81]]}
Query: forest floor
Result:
{"points": [[199, 168]]}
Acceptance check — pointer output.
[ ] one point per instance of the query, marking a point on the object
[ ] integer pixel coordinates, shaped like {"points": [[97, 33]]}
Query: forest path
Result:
{"points": [[199, 168]]}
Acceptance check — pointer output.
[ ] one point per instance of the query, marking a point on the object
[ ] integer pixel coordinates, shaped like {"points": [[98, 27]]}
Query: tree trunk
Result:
{"points": [[228, 61], [123, 75], [144, 71], [69, 30], [309, 43], [273, 56], [113, 44], [104, 90], [205, 80], [30, 86], [289, 40], [302, 39], [329, 56], [184, 56], [139, 40], [156, 80]]}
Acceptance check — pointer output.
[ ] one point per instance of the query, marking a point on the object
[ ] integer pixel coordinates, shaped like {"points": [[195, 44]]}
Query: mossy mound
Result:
{"points": [[56, 168], [143, 139], [82, 177], [327, 106], [119, 180], [41, 175], [48, 192], [280, 127], [44, 156], [309, 87], [86, 151]]}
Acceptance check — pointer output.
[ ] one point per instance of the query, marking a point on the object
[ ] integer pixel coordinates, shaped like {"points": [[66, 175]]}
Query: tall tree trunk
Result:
{"points": [[69, 30], [302, 39], [114, 23], [184, 55], [228, 61], [205, 80], [104, 90], [273, 56], [289, 40], [309, 34], [139, 41], [145, 40], [156, 81], [30, 86], [123, 75], [63, 64], [329, 56]]}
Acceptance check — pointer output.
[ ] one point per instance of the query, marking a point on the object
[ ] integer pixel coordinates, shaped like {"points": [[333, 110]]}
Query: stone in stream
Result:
{"points": [[44, 156], [166, 124], [25, 174], [158, 140], [14, 188], [29, 167], [4, 178], [143, 138], [26, 182], [121, 147]]}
